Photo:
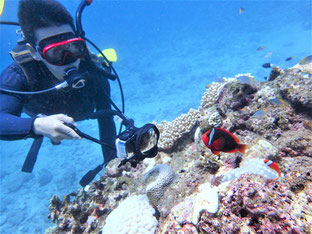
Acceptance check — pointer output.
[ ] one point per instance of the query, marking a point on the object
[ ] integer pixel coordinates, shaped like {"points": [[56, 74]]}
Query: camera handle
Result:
{"points": [[84, 135], [89, 176]]}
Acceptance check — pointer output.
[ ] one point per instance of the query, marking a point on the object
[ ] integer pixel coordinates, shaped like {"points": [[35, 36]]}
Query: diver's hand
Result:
{"points": [[53, 127]]}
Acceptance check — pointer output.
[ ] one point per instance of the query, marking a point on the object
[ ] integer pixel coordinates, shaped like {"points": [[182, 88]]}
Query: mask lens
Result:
{"points": [[148, 141], [54, 54], [65, 52]]}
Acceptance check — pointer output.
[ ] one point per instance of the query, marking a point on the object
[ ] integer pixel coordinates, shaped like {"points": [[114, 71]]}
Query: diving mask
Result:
{"points": [[62, 52]]}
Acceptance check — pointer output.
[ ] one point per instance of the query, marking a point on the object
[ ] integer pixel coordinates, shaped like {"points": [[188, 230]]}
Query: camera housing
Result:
{"points": [[136, 144], [124, 143]]}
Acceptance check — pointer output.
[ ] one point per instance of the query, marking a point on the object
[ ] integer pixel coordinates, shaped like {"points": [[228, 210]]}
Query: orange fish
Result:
{"points": [[219, 139], [274, 166]]}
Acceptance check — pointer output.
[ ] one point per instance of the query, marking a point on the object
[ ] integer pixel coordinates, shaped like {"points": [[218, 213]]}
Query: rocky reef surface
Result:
{"points": [[184, 182]]}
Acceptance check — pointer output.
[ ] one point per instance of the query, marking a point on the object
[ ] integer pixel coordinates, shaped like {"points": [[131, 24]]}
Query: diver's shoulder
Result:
{"points": [[13, 68], [12, 75]]}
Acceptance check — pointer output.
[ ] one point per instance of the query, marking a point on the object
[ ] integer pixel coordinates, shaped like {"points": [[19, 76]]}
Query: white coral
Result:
{"points": [[133, 215], [304, 68], [170, 132], [206, 199], [215, 120], [254, 166], [211, 94]]}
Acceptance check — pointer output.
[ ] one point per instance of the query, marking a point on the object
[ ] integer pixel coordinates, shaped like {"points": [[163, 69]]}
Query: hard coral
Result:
{"points": [[158, 179], [295, 143], [171, 132], [209, 118], [114, 170], [304, 68], [252, 166], [298, 172], [211, 95], [257, 205], [235, 96], [133, 215], [296, 89], [75, 216]]}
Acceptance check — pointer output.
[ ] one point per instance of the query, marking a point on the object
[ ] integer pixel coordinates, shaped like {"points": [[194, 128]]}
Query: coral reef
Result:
{"points": [[157, 181], [207, 196], [304, 68], [253, 204], [211, 95], [254, 166], [133, 215], [245, 78], [113, 169], [172, 132], [210, 118], [297, 90], [206, 199]]}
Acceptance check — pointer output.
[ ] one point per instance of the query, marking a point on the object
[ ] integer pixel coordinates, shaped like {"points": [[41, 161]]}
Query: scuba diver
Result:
{"points": [[57, 81], [57, 54]]}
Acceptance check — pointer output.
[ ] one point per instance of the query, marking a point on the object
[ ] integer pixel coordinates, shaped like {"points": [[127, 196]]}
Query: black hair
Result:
{"points": [[34, 14]]}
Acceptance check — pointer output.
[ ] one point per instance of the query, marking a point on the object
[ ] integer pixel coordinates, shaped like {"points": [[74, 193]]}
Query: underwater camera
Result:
{"points": [[133, 145], [136, 144]]}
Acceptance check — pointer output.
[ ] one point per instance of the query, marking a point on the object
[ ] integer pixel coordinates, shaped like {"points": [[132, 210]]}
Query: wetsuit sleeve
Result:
{"points": [[106, 125], [12, 126]]}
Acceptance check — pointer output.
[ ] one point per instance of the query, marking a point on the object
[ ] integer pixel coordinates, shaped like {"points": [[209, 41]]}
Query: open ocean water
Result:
{"points": [[168, 51]]}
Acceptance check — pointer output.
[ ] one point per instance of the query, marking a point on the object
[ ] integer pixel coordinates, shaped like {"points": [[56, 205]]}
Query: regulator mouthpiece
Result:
{"points": [[75, 79]]}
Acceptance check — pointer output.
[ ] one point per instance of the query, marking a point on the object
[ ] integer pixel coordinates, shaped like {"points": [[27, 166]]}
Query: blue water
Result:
{"points": [[168, 51]]}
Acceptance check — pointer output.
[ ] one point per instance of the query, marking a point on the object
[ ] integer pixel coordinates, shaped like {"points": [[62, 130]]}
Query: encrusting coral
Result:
{"points": [[273, 118]]}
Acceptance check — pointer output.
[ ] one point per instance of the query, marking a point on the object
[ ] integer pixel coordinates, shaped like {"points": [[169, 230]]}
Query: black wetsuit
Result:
{"points": [[76, 103]]}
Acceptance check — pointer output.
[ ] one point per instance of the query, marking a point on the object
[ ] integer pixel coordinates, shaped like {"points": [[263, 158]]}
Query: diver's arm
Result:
{"points": [[12, 126], [107, 126]]}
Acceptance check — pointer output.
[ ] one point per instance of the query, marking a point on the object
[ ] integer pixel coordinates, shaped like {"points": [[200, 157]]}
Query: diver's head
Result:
{"points": [[58, 48], [35, 14], [49, 30]]}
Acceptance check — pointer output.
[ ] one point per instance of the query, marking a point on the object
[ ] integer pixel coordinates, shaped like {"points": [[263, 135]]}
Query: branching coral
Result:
{"points": [[211, 95], [170, 132]]}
